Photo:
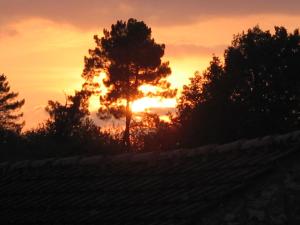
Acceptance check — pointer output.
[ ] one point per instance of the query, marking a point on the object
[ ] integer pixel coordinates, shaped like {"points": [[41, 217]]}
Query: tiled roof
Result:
{"points": [[175, 187]]}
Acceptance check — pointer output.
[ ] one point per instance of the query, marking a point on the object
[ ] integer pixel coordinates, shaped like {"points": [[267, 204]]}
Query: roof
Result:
{"points": [[175, 187]]}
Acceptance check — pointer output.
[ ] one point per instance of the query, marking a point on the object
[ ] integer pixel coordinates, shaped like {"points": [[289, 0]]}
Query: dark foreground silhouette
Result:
{"points": [[245, 182]]}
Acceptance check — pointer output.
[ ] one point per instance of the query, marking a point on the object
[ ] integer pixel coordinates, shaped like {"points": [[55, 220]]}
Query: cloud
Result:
{"points": [[8, 32], [39, 108], [98, 13], [184, 50]]}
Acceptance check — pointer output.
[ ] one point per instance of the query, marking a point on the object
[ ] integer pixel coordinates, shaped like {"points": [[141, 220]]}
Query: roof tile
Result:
{"points": [[174, 187]]}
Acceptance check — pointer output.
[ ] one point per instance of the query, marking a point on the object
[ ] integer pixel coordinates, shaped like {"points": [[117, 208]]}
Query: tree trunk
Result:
{"points": [[127, 127]]}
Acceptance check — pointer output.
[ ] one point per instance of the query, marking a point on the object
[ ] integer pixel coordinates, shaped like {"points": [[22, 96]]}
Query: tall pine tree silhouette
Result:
{"points": [[130, 58], [9, 108]]}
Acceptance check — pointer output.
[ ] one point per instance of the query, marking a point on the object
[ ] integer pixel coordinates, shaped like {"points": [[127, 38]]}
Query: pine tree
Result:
{"points": [[130, 58], [10, 117]]}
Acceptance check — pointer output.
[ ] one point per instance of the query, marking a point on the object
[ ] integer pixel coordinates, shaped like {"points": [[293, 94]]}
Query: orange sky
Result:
{"points": [[42, 51]]}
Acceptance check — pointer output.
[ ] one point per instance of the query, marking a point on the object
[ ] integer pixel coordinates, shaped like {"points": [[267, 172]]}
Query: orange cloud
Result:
{"points": [[94, 13]]}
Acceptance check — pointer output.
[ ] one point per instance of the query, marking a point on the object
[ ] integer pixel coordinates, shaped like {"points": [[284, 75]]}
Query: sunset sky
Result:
{"points": [[43, 42]]}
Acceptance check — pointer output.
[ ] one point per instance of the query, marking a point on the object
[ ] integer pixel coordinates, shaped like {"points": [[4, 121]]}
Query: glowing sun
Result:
{"points": [[141, 105], [145, 104]]}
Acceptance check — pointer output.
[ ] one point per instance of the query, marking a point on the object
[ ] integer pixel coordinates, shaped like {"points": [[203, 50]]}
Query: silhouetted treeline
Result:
{"points": [[68, 132], [254, 92]]}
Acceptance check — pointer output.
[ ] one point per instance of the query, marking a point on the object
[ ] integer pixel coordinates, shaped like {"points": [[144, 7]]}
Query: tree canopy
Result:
{"points": [[10, 115], [130, 58], [254, 92], [71, 119]]}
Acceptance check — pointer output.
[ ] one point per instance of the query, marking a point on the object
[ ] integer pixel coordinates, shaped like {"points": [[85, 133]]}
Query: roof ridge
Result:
{"points": [[241, 144]]}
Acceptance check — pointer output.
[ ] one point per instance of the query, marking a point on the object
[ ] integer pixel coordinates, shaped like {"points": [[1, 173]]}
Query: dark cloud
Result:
{"points": [[159, 111], [99, 13], [8, 32]]}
